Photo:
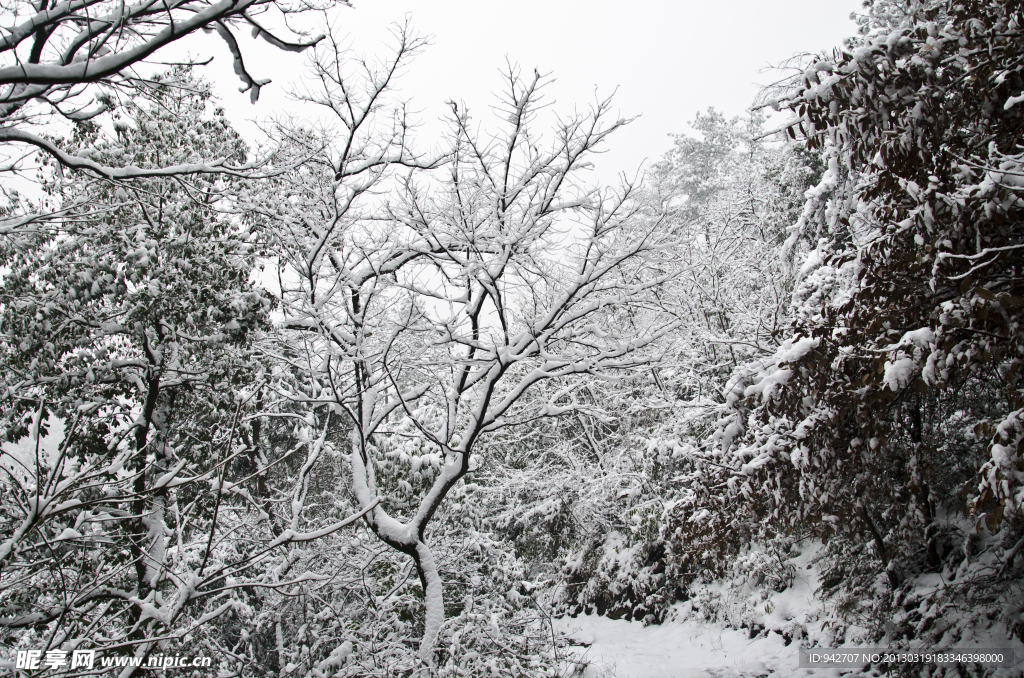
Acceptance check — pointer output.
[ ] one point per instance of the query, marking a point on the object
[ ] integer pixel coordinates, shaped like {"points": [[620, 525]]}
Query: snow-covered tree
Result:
{"points": [[148, 516], [427, 312], [624, 537], [65, 62], [730, 196], [895, 404], [73, 60]]}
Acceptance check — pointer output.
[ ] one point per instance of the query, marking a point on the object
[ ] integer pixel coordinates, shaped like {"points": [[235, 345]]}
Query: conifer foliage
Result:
{"points": [[129, 337]]}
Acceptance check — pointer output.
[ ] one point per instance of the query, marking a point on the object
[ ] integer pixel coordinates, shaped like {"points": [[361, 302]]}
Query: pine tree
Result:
{"points": [[129, 329]]}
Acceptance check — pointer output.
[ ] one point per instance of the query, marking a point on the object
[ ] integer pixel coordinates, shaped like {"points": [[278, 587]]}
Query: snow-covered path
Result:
{"points": [[697, 649], [687, 649], [688, 646]]}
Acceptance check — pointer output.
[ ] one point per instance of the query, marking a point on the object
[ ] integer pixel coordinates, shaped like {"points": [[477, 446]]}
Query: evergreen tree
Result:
{"points": [[896, 404]]}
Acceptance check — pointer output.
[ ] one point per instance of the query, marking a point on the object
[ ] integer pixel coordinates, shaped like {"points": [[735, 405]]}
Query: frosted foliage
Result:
{"points": [[132, 324], [894, 434]]}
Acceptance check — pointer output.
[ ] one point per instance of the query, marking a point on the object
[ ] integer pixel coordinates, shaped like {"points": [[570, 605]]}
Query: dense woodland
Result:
{"points": [[357, 403]]}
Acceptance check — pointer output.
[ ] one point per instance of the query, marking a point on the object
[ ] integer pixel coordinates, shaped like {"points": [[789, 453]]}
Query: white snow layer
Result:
{"points": [[688, 649], [697, 649], [688, 646]]}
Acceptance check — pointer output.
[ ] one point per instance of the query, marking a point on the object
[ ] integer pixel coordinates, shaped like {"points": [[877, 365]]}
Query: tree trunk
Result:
{"points": [[407, 538], [890, 570], [919, 487], [433, 596]]}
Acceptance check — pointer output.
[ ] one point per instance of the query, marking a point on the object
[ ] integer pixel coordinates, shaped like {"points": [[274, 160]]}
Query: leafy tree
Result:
{"points": [[895, 406]]}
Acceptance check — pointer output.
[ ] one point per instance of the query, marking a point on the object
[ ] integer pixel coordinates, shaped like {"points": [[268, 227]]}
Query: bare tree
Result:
{"points": [[430, 307], [70, 60]]}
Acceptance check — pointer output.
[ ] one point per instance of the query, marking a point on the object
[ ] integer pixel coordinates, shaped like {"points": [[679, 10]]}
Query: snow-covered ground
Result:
{"points": [[688, 649], [688, 646], [695, 649]]}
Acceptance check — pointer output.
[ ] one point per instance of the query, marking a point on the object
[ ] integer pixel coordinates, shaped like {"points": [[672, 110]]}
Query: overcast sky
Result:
{"points": [[665, 61]]}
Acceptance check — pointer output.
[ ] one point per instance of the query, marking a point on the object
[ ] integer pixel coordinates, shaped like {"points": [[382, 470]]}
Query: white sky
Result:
{"points": [[667, 60]]}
